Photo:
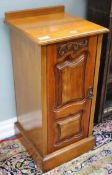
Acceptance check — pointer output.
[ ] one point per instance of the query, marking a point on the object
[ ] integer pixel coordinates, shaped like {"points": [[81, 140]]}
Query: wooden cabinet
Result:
{"points": [[56, 65], [100, 12]]}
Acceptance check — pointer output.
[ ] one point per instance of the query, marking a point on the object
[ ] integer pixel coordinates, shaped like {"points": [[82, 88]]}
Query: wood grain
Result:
{"points": [[27, 78], [69, 127], [29, 146], [68, 73], [51, 27], [33, 12], [67, 153], [98, 54], [56, 83], [44, 97], [63, 90], [56, 158]]}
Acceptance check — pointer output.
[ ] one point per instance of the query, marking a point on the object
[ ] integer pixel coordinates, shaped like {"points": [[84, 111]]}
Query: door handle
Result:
{"points": [[90, 93]]}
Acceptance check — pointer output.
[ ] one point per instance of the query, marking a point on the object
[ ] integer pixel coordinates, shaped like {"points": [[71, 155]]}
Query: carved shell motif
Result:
{"points": [[73, 46]]}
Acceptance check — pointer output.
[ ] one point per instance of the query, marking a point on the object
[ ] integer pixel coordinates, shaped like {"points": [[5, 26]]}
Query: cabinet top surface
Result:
{"points": [[51, 25]]}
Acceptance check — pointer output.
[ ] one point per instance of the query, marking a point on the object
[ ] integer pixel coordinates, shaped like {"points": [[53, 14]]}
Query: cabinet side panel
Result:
{"points": [[27, 78]]}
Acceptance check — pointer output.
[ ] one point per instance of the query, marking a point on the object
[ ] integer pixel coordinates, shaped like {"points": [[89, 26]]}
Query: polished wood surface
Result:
{"points": [[30, 147], [44, 97], [69, 127], [33, 12], [51, 27], [56, 158], [96, 73], [28, 85], [55, 82], [71, 79], [67, 153]]}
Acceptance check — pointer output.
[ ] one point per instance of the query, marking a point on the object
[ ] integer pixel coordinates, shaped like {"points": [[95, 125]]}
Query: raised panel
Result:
{"points": [[70, 109], [69, 127], [70, 79]]}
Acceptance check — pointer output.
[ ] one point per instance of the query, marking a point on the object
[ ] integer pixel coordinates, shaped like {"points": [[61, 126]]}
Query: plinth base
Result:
{"points": [[59, 157]]}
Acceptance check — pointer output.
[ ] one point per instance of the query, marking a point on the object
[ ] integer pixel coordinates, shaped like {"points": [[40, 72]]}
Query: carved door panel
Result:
{"points": [[70, 78]]}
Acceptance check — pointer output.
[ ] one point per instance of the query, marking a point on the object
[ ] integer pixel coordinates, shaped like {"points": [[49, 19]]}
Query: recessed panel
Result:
{"points": [[71, 80], [69, 127]]}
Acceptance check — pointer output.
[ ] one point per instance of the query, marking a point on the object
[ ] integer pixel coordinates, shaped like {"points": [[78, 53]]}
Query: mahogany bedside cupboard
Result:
{"points": [[56, 60]]}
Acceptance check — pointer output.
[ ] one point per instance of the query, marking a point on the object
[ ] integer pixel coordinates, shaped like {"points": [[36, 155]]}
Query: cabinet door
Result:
{"points": [[70, 75]]}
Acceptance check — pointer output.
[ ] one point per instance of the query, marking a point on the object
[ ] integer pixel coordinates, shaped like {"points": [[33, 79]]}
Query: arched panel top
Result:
{"points": [[70, 79], [72, 62]]}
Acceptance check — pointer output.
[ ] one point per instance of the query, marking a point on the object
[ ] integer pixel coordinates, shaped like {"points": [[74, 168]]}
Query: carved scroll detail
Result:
{"points": [[73, 46]]}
